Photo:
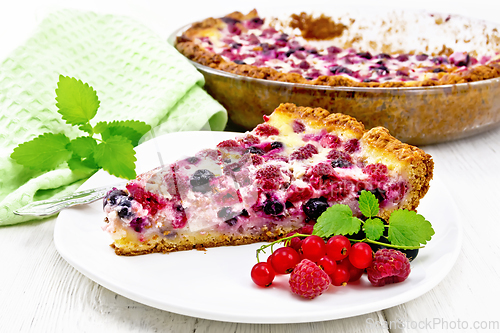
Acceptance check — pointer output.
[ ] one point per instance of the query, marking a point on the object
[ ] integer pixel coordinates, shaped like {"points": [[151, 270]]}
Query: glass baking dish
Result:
{"points": [[415, 115]]}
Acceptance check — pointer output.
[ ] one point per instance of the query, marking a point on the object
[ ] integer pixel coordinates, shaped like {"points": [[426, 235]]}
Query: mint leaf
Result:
{"points": [[117, 156], [100, 127], [83, 146], [86, 128], [373, 228], [368, 204], [86, 166], [407, 228], [77, 101], [337, 220], [44, 152], [133, 130]]}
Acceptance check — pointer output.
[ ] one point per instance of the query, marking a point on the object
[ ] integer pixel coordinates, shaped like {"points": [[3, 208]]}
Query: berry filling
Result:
{"points": [[261, 45], [266, 179]]}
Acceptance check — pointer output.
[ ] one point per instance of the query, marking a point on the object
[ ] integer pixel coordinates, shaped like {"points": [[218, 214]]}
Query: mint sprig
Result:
{"points": [[368, 204], [44, 152], [373, 228], [77, 101], [107, 145], [406, 229], [337, 220], [409, 228]]}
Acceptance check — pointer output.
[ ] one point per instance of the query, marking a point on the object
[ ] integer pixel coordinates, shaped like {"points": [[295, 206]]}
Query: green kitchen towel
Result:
{"points": [[136, 74]]}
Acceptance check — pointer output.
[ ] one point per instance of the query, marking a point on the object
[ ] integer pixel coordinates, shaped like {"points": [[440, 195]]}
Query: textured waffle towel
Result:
{"points": [[136, 74]]}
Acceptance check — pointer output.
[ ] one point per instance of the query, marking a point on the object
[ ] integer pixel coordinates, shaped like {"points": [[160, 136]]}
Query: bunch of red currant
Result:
{"points": [[337, 258], [315, 264]]}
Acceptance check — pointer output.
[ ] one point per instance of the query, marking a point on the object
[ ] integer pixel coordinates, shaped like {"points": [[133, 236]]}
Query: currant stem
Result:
{"points": [[285, 239], [366, 240]]}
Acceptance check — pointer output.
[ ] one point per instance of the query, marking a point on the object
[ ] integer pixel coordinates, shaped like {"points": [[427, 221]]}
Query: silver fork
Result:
{"points": [[52, 206]]}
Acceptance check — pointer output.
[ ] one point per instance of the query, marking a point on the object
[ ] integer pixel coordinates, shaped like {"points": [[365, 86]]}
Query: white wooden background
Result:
{"points": [[40, 292]]}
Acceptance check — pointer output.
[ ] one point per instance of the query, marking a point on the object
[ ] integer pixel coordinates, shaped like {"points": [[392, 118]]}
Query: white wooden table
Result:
{"points": [[40, 292]]}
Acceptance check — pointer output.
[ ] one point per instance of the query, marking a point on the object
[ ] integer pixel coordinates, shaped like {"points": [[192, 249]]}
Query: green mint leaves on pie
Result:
{"points": [[107, 145], [405, 230]]}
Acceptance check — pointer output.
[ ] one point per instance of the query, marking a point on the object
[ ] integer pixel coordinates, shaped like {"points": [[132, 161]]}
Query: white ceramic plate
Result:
{"points": [[215, 284]]}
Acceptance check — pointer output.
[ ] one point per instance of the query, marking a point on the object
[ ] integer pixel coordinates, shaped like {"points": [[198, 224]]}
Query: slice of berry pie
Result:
{"points": [[265, 183]]}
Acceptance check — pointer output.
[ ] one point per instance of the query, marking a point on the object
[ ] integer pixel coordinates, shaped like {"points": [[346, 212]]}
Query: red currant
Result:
{"points": [[328, 265], [361, 255], [355, 273], [295, 243], [341, 275], [338, 247], [313, 248], [262, 274], [284, 260], [269, 259]]}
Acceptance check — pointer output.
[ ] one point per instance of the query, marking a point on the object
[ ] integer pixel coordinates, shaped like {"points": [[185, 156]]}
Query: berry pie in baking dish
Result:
{"points": [[265, 183], [310, 50]]}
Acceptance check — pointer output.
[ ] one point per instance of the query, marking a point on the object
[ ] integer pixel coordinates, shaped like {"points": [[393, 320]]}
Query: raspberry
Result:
{"points": [[330, 141], [266, 130], [228, 144], [313, 137], [308, 280], [256, 159], [377, 172], [298, 126], [276, 157], [340, 159], [212, 154], [339, 155], [249, 140], [150, 201], [321, 170], [269, 177], [396, 191], [304, 152], [295, 193], [321, 176], [351, 146], [388, 266], [338, 190]]}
